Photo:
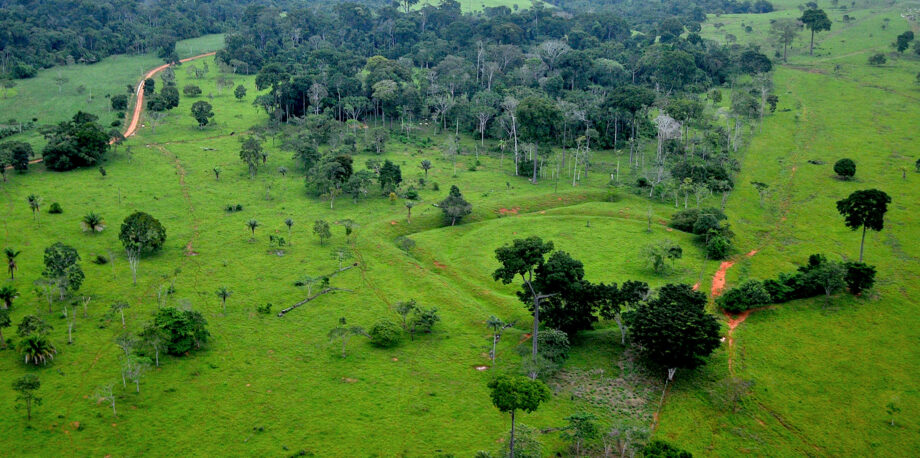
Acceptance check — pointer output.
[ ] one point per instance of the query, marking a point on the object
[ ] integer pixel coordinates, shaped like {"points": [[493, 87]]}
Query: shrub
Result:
{"points": [[411, 193], [859, 276], [657, 448], [686, 220], [191, 90], [718, 246], [185, 330], [100, 260], [55, 208], [845, 168], [385, 334], [747, 295], [553, 344], [264, 309], [658, 255], [877, 59]]}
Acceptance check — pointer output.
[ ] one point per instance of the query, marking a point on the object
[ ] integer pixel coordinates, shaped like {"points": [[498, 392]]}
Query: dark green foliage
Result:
{"points": [[55, 208], [878, 59], [119, 102], [26, 386], [142, 233], [385, 334], [190, 90], [62, 267], [184, 330], [718, 247], [859, 277], [455, 207], [80, 142], [673, 329], [554, 345], [32, 324], [422, 321], [170, 97], [686, 220], [661, 449], [239, 92], [511, 393], [903, 41], [16, 154], [845, 168], [539, 119], [745, 296], [864, 209], [390, 176], [202, 113], [816, 21], [819, 276], [36, 349]]}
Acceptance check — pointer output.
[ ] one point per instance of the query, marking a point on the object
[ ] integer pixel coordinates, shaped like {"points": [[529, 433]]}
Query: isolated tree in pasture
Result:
{"points": [[106, 393], [390, 176], [341, 254], [426, 166], [251, 153], [223, 293], [35, 203], [15, 154], [202, 112], [343, 332], [119, 102], [36, 349], [154, 338], [92, 222], [62, 268], [658, 255], [25, 387], [762, 189], [135, 368], [7, 294], [119, 308], [239, 92], [422, 321], [845, 168], [512, 393], [322, 231], [404, 309], [522, 259], [785, 31], [455, 207], [864, 209], [877, 59], [126, 342], [217, 170], [252, 225], [903, 41], [497, 326], [290, 224], [816, 21], [184, 330], [673, 329], [409, 204], [140, 234], [11, 261]]}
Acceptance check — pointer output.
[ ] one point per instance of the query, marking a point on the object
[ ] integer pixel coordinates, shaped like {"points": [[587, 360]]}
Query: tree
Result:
{"points": [[190, 90], [202, 113], [35, 203], [26, 386], [845, 168], [390, 176], [657, 255], [134, 369], [859, 276], [322, 231], [455, 207], [36, 349], [816, 21], [239, 92], [409, 204], [673, 329], [581, 429], [119, 308], [785, 31], [7, 294], [865, 209], [32, 324], [522, 258], [539, 120], [497, 326], [105, 393], [170, 97], [903, 41], [762, 190], [62, 268], [141, 234], [422, 321], [16, 154], [153, 337], [830, 275], [92, 222], [119, 102], [289, 223], [343, 332], [80, 142], [661, 449], [184, 330], [385, 334], [251, 153], [877, 59], [512, 393], [11, 260], [426, 166], [223, 293]]}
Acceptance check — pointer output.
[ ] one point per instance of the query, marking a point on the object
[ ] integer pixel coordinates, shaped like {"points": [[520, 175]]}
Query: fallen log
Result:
{"points": [[324, 291]]}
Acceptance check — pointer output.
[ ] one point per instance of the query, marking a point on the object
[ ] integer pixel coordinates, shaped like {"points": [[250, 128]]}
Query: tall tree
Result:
{"points": [[816, 21], [11, 261], [521, 259], [251, 153], [864, 209], [539, 120], [784, 31], [62, 268], [202, 112], [455, 207], [512, 393], [26, 386], [141, 234]]}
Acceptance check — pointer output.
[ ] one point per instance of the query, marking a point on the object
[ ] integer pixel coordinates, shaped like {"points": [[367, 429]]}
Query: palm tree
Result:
{"points": [[11, 260], [7, 294], [252, 225], [501, 146], [425, 165], [34, 203], [36, 349], [223, 293], [409, 205], [289, 223], [92, 222]]}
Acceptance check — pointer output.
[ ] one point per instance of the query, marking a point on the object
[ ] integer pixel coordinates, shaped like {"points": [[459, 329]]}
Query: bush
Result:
{"points": [[23, 71], [385, 334], [718, 246], [661, 449], [686, 220], [55, 208], [264, 309], [191, 90], [877, 59], [185, 330], [745, 296], [845, 168], [553, 344], [411, 193], [859, 276]]}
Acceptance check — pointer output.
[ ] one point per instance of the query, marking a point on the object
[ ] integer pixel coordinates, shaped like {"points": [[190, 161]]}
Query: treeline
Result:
{"points": [[36, 34]]}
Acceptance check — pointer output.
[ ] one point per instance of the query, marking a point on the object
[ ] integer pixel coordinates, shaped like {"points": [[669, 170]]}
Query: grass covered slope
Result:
{"points": [[269, 385], [823, 372]]}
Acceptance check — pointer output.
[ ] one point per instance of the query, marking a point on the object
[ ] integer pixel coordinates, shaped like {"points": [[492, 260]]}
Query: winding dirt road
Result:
{"points": [[139, 102]]}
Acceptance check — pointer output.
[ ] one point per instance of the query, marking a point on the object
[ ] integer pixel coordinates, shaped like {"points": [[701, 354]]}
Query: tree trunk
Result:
{"points": [[811, 49], [324, 291], [536, 326], [862, 244], [511, 442]]}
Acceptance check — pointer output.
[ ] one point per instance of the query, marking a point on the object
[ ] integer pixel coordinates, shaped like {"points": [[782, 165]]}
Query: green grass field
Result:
{"points": [[469, 6], [87, 88], [264, 385]]}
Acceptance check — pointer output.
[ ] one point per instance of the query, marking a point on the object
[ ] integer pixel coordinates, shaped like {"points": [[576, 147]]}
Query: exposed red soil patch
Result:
{"points": [[525, 337], [696, 286], [439, 265], [509, 211]]}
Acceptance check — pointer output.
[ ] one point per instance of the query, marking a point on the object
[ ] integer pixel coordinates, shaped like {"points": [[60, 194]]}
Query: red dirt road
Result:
{"points": [[139, 103], [718, 285]]}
